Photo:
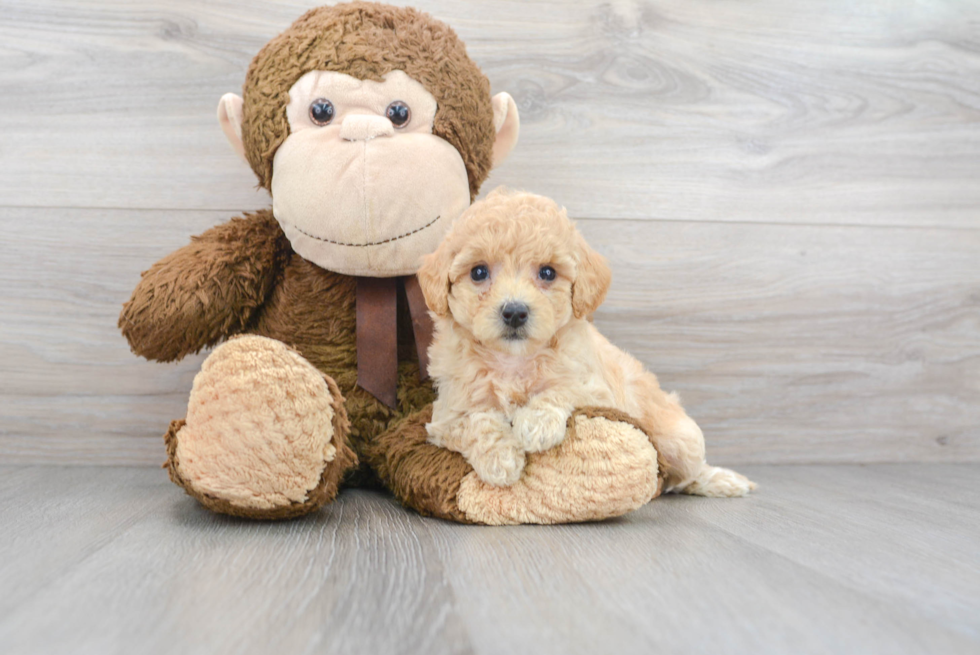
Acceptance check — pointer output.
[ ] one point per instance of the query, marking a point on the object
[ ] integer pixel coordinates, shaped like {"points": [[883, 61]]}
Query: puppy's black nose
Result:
{"points": [[514, 314]]}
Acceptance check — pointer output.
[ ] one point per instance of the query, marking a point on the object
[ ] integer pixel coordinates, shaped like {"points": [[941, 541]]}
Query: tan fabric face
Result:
{"points": [[603, 468], [368, 40], [259, 428], [359, 196]]}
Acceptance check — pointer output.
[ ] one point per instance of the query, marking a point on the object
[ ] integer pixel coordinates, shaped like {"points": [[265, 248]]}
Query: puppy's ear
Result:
{"points": [[592, 278], [434, 278]]}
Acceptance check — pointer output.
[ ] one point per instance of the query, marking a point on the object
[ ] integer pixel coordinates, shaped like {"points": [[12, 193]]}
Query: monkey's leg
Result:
{"points": [[605, 467], [422, 476], [265, 435]]}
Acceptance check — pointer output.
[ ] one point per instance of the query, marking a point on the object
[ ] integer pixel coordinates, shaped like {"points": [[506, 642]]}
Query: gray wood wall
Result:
{"points": [[789, 192]]}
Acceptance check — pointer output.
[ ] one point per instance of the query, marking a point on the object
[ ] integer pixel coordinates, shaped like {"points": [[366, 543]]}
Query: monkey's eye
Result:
{"points": [[547, 273], [479, 273], [398, 113], [321, 111]]}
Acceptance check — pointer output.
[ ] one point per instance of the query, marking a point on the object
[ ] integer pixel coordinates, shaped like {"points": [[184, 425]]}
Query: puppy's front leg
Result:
{"points": [[487, 442], [541, 424]]}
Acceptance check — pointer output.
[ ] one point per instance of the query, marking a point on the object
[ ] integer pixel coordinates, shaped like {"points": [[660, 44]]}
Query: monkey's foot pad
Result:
{"points": [[605, 467], [261, 434]]}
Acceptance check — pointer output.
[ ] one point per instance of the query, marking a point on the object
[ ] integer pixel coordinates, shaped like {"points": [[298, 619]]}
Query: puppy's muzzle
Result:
{"points": [[514, 314]]}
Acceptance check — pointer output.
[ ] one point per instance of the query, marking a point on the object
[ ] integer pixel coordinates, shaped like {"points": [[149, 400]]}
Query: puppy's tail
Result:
{"points": [[716, 482]]}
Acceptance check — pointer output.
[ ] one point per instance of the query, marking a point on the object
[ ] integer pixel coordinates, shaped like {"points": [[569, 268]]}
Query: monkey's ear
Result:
{"points": [[434, 278], [592, 279], [230, 116], [507, 124]]}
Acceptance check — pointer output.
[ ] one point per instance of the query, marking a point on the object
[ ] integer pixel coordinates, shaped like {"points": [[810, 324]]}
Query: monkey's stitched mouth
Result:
{"points": [[372, 243]]}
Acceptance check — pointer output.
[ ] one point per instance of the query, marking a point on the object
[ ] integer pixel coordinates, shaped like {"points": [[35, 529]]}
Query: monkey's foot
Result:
{"points": [[265, 434], [604, 467]]}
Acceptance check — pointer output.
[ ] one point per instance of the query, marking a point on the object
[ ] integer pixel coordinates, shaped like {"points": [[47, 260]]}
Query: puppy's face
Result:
{"points": [[511, 299], [513, 271]]}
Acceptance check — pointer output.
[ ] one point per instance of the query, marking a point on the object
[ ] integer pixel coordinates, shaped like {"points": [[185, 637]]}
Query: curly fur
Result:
{"points": [[504, 392]]}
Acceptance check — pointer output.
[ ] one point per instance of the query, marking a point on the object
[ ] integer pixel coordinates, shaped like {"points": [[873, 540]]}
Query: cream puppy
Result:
{"points": [[511, 289]]}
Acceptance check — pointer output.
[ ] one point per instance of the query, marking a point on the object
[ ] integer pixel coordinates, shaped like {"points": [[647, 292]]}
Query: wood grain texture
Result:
{"points": [[870, 559], [787, 191], [799, 343], [763, 111], [787, 343]]}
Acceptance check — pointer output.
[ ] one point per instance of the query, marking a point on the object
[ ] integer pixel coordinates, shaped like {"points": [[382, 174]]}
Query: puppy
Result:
{"points": [[511, 289]]}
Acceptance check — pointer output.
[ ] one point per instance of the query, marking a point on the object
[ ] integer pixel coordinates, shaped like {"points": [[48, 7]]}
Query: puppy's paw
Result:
{"points": [[717, 482], [500, 465], [540, 428]]}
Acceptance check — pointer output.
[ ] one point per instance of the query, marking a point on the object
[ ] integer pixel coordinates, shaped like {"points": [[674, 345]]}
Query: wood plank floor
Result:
{"points": [[861, 559]]}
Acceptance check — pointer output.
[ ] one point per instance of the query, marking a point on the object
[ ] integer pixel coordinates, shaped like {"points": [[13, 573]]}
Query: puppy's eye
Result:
{"points": [[547, 273], [398, 113], [321, 111], [479, 273]]}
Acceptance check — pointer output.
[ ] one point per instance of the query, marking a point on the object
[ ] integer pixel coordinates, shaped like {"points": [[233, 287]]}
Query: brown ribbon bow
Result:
{"points": [[377, 334]]}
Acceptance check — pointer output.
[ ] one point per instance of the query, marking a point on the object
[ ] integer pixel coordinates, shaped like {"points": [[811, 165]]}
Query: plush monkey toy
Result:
{"points": [[373, 130]]}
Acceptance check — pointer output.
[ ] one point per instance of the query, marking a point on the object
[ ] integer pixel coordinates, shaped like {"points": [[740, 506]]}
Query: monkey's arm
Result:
{"points": [[206, 291]]}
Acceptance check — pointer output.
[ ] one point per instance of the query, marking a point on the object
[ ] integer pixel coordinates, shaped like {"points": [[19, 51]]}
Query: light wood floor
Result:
{"points": [[788, 193], [823, 559]]}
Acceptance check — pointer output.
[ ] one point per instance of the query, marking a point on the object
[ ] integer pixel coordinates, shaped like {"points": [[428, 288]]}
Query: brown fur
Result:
{"points": [[310, 309], [171, 315], [421, 475], [366, 41], [206, 291], [243, 277]]}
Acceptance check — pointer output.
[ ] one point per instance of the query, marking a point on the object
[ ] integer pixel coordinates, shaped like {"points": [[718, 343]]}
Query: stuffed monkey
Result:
{"points": [[373, 130]]}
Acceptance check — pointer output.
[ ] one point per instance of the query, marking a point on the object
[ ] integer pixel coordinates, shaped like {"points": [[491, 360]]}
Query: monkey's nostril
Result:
{"points": [[514, 314]]}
